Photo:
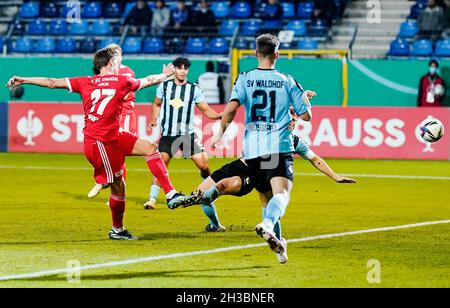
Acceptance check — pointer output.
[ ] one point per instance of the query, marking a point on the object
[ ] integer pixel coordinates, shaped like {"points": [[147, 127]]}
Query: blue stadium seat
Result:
{"points": [[101, 27], [305, 10], [228, 27], [272, 24], [176, 45], [91, 10], [2, 41], [252, 44], [307, 44], [128, 7], [422, 48], [285, 45], [251, 27], [112, 10], [45, 45], [49, 10], [240, 43], [220, 9], [318, 28], [443, 49], [132, 45], [153, 45], [37, 27], [288, 10], [260, 9], [29, 10], [399, 48], [241, 10], [66, 45], [58, 27], [23, 45], [18, 27], [298, 26], [87, 46], [415, 10], [408, 29], [109, 40], [196, 45], [81, 28], [218, 46]]}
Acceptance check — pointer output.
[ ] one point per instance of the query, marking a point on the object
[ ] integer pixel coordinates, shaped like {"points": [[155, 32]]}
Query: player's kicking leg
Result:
{"points": [[159, 170], [156, 187]]}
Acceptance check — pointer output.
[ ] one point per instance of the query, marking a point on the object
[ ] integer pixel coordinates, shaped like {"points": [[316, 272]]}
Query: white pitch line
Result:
{"points": [[207, 252], [361, 175]]}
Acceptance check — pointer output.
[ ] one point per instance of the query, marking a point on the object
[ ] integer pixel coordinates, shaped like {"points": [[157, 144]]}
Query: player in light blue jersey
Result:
{"points": [[267, 96]]}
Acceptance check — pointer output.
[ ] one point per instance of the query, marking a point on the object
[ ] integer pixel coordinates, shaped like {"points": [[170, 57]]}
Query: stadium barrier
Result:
{"points": [[353, 132], [3, 126]]}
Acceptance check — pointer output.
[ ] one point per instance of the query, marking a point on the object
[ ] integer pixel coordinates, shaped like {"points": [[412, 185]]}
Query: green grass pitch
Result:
{"points": [[47, 220]]}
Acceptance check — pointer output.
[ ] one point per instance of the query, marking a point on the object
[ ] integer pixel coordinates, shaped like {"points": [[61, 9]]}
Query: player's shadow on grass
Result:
{"points": [[165, 236], [159, 274], [74, 196]]}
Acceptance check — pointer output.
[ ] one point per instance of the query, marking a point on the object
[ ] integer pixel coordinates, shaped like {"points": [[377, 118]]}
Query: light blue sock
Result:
{"points": [[211, 212], [276, 228], [154, 192], [275, 210], [210, 195]]}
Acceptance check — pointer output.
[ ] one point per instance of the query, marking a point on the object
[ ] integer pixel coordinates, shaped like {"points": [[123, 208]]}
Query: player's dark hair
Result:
{"points": [[267, 44], [180, 61], [102, 57], [210, 66]]}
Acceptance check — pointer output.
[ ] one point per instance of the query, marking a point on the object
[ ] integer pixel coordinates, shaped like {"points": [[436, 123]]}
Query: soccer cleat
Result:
{"points": [[96, 190], [283, 258], [122, 236], [181, 200], [269, 236], [211, 228], [150, 204]]}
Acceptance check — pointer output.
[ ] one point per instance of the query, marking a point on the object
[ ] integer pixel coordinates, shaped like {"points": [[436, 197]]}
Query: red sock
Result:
{"points": [[117, 205], [159, 170]]}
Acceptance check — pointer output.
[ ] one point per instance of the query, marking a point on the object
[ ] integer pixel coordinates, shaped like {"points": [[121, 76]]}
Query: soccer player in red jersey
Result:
{"points": [[127, 117], [104, 146]]}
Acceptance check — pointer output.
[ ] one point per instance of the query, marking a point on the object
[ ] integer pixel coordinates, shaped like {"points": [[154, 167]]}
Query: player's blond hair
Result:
{"points": [[115, 47]]}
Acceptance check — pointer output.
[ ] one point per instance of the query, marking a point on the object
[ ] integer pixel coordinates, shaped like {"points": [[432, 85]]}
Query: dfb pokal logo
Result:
{"points": [[30, 127], [428, 146]]}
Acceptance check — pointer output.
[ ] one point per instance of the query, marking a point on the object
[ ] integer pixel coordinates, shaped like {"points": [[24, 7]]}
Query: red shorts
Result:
{"points": [[108, 158], [128, 123]]}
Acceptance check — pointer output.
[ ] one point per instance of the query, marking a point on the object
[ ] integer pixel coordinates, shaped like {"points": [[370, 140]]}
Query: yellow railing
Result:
{"points": [[237, 54]]}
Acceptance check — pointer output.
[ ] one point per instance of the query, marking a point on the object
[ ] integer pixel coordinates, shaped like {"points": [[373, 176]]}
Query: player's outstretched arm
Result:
{"points": [[151, 80], [52, 83], [320, 164], [208, 111], [156, 110], [227, 117]]}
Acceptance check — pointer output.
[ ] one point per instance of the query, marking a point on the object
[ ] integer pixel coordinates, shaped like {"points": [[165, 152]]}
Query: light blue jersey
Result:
{"points": [[267, 96]]}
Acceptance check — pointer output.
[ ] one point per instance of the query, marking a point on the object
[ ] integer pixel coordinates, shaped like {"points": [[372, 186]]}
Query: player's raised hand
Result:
{"points": [[310, 94], [14, 82], [345, 180], [169, 69]]}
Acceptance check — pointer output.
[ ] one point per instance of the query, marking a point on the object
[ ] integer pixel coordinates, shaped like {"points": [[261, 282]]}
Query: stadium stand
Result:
{"points": [[238, 22]]}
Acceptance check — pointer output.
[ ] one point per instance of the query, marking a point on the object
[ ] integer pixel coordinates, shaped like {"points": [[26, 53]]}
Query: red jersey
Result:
{"points": [[103, 96], [128, 104], [426, 97]]}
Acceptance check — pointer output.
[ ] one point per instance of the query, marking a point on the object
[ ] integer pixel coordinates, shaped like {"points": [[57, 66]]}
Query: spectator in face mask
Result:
{"points": [[431, 88]]}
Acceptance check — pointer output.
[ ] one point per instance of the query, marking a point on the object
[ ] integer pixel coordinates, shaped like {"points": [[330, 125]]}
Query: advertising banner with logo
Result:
{"points": [[3, 127], [359, 132]]}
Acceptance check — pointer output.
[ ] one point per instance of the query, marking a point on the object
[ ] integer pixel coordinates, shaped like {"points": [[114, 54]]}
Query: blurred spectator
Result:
{"points": [[161, 18], [181, 16], [204, 19], [139, 17], [431, 21], [325, 9], [273, 11], [441, 4], [212, 85], [431, 87]]}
